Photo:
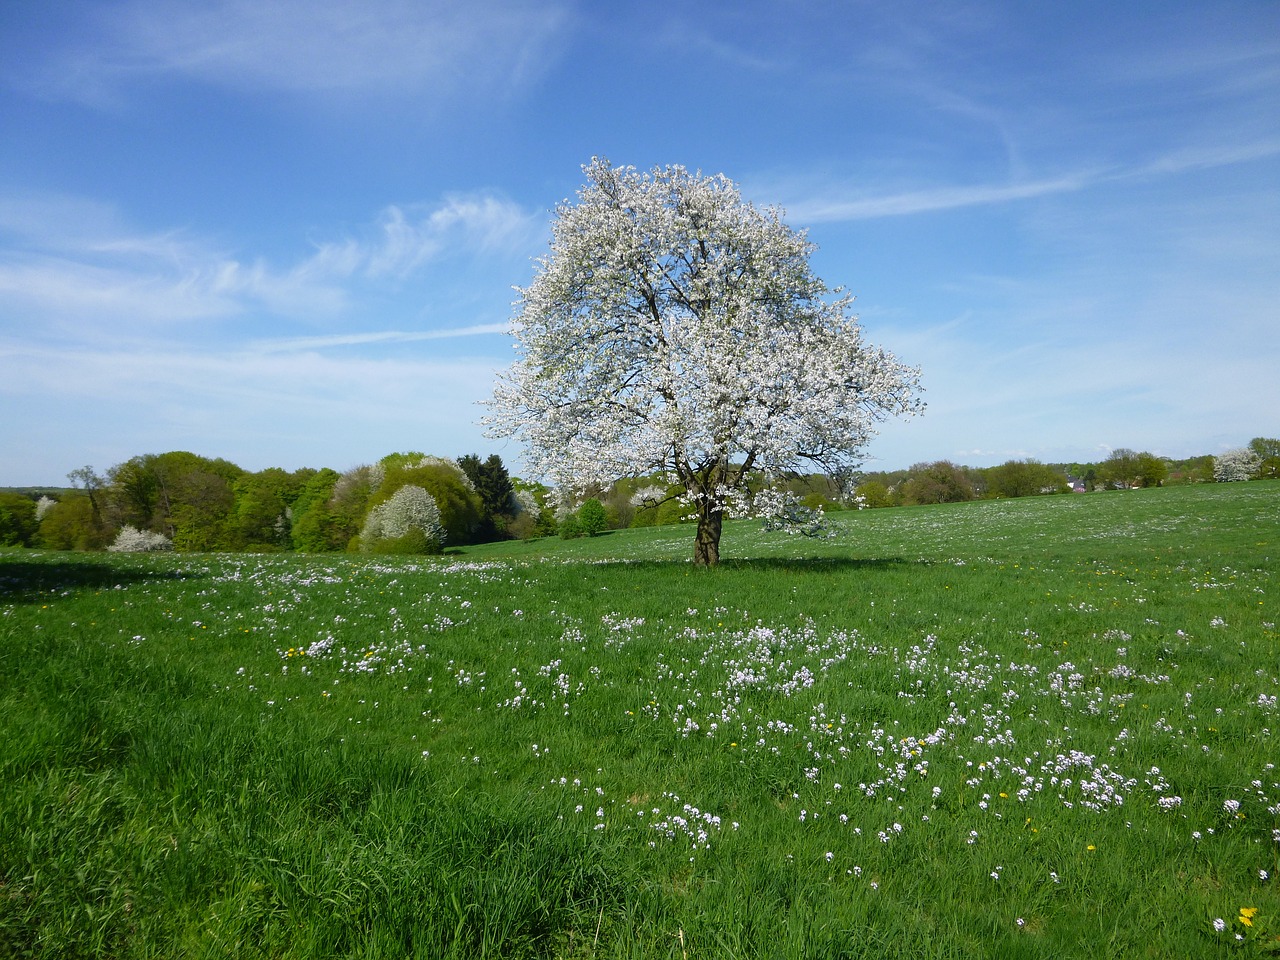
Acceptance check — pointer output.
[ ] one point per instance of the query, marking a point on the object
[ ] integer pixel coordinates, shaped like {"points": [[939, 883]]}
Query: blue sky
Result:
{"points": [[286, 232]]}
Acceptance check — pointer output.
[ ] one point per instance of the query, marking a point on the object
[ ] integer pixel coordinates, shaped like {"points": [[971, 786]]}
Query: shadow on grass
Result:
{"points": [[780, 565], [25, 580], [816, 564]]}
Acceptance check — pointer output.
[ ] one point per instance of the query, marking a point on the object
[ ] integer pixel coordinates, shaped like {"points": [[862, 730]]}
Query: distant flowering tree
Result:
{"points": [[43, 506], [674, 329], [410, 518], [132, 540], [522, 502], [1241, 464]]}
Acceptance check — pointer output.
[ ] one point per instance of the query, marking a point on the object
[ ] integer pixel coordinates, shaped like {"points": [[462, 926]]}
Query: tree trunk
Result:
{"points": [[706, 549]]}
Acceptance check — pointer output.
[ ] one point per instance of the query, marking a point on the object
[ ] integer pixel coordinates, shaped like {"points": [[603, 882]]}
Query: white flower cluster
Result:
{"points": [[782, 511], [648, 496], [132, 540]]}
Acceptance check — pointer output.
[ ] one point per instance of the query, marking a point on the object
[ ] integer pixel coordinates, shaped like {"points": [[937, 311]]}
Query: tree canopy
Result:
{"points": [[673, 328]]}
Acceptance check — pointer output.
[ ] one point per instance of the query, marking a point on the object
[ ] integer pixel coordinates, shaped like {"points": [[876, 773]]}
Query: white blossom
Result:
{"points": [[649, 496], [523, 501], [132, 540], [674, 329]]}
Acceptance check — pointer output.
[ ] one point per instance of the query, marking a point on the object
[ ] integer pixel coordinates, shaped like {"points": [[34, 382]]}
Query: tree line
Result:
{"points": [[943, 481], [184, 501], [415, 503]]}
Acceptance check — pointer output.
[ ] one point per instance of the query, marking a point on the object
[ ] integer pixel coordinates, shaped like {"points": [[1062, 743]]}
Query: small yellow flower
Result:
{"points": [[1246, 915], [1091, 847]]}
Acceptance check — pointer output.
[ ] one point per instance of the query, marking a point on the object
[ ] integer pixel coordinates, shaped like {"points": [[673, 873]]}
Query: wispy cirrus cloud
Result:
{"points": [[834, 204], [835, 207], [302, 344], [435, 48]]}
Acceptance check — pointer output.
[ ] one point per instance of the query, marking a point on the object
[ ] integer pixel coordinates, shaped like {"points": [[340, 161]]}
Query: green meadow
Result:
{"points": [[1045, 727]]}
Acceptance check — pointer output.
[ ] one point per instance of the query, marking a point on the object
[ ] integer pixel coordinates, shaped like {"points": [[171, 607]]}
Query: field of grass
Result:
{"points": [[1032, 728]]}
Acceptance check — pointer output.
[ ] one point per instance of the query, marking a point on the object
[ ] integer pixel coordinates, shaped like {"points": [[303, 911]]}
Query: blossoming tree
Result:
{"points": [[675, 328], [1241, 464]]}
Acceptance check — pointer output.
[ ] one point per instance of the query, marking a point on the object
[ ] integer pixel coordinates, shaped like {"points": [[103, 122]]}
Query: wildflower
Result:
{"points": [[1219, 924], [1246, 915]]}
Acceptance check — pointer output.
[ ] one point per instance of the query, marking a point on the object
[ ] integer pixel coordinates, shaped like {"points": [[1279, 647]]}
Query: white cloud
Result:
{"points": [[76, 264], [476, 222]]}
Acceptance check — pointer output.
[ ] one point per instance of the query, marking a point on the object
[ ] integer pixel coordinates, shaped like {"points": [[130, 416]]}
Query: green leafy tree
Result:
{"points": [[592, 517], [1152, 470], [1122, 469], [264, 508], [1023, 478], [198, 500], [874, 494], [89, 480], [1267, 450], [189, 498], [73, 524], [314, 529], [348, 505], [18, 524], [939, 482], [135, 494]]}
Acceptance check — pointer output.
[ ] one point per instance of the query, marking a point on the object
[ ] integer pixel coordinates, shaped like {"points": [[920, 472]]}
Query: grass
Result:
{"points": [[1033, 728]]}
